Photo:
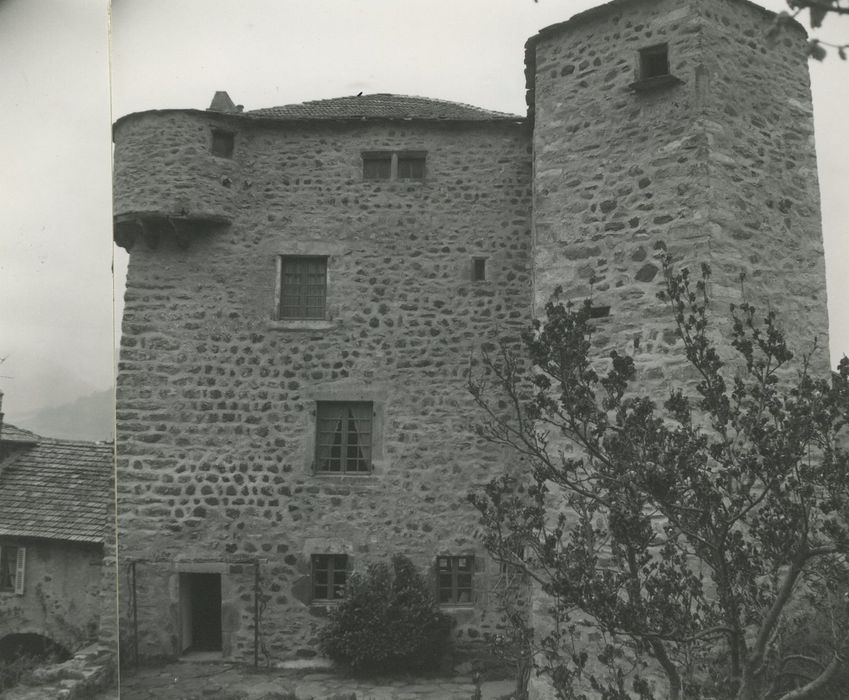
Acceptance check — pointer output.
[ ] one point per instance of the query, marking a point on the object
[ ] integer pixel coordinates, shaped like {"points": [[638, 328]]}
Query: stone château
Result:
{"points": [[307, 284]]}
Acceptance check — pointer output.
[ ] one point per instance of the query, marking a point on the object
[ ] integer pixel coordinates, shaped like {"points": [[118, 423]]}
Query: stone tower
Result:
{"points": [[678, 121]]}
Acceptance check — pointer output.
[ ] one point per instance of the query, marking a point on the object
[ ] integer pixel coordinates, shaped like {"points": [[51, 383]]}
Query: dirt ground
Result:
{"points": [[185, 680]]}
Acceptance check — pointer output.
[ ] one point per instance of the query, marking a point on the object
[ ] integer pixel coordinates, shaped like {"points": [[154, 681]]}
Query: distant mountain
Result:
{"points": [[91, 417]]}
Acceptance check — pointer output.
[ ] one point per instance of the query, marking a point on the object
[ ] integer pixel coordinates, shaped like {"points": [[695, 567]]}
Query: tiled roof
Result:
{"points": [[56, 489], [382, 106], [9, 433]]}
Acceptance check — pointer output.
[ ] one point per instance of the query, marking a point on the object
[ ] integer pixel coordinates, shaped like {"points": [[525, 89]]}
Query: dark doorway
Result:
{"points": [[200, 603], [14, 646]]}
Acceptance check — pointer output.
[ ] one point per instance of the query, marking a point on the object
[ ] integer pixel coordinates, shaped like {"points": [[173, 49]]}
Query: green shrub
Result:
{"points": [[388, 621]]}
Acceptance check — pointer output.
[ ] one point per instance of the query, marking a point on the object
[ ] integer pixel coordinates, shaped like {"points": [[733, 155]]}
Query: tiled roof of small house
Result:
{"points": [[9, 433], [56, 489], [382, 106]]}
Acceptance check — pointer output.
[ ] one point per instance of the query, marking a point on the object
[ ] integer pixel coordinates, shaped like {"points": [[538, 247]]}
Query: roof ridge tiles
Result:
{"points": [[382, 105]]}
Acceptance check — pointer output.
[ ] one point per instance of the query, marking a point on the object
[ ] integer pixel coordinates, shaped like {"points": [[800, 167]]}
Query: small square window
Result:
{"points": [[454, 580], [329, 576], [654, 62], [303, 287], [478, 269], [343, 437], [411, 167], [377, 166], [222, 143]]}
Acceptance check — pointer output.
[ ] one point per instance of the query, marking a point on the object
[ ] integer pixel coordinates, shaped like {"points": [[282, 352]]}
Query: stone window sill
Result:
{"points": [[660, 82], [317, 324], [335, 476]]}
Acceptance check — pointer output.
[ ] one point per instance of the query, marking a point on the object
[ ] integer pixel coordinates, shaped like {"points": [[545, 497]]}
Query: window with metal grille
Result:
{"points": [[343, 437], [512, 561], [411, 167], [654, 61], [329, 576], [222, 143], [12, 563], [377, 166], [303, 287], [478, 269], [454, 580]]}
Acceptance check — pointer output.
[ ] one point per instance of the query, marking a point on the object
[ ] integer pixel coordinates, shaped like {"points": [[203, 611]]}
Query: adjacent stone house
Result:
{"points": [[308, 284], [55, 506]]}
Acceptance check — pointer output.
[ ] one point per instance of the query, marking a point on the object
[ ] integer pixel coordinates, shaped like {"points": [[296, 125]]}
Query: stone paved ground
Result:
{"points": [[220, 681]]}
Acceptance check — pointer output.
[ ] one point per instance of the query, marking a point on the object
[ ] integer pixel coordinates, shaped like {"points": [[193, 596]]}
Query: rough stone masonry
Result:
{"points": [[308, 283]]}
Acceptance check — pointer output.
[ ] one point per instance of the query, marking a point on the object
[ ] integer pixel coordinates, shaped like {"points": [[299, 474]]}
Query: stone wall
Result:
{"points": [[763, 193], [61, 597], [216, 398]]}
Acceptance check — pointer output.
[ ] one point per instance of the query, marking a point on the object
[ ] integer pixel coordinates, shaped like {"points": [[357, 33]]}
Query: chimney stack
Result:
{"points": [[221, 102]]}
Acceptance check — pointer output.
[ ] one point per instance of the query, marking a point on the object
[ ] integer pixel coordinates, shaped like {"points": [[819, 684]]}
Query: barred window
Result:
{"points": [[512, 561], [303, 287], [343, 437], [377, 166], [454, 580], [329, 576], [411, 167]]}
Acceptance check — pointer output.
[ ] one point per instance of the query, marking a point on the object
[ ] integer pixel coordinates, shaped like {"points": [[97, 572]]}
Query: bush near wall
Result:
{"points": [[388, 621]]}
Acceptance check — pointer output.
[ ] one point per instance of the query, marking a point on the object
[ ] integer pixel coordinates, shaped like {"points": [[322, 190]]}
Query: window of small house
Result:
{"points": [[654, 62], [329, 576], [411, 166], [12, 561], [303, 287], [454, 579], [478, 269], [222, 143], [343, 437], [377, 166]]}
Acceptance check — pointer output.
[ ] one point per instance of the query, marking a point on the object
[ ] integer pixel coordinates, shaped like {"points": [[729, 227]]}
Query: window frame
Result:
{"points": [[454, 588], [323, 448], [385, 157], [230, 143], [335, 564], [511, 568], [399, 162], [647, 58], [17, 570], [280, 289], [479, 269], [410, 158], [648, 78]]}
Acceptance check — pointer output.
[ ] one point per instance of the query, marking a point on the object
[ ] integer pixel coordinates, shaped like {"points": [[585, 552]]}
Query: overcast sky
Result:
{"points": [[55, 244]]}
